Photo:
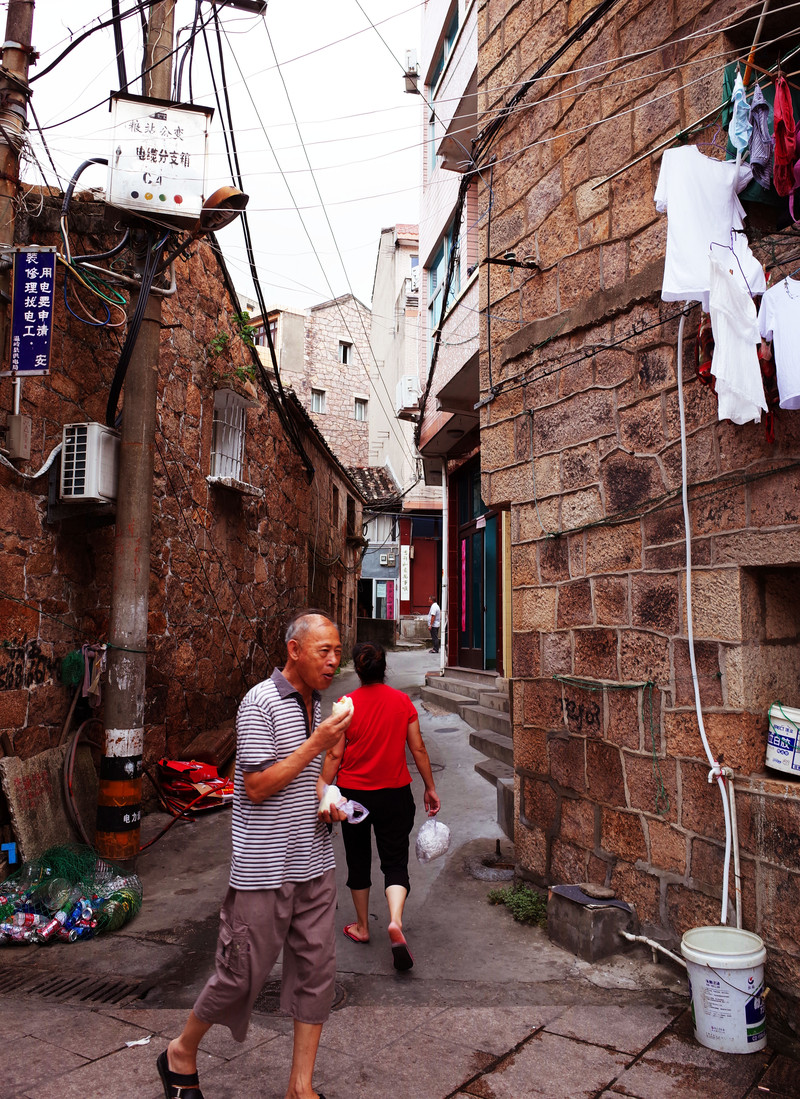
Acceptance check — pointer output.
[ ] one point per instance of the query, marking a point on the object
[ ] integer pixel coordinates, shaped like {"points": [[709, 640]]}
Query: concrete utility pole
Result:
{"points": [[120, 796], [14, 95]]}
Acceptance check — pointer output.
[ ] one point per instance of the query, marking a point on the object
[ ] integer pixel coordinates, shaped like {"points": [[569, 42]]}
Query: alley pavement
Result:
{"points": [[491, 1009]]}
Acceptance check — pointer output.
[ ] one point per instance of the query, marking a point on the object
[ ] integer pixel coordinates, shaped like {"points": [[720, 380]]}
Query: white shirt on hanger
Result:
{"points": [[779, 320], [700, 197], [740, 390]]}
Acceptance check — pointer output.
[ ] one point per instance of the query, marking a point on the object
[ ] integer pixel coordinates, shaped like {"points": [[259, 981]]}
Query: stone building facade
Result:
{"points": [[232, 558], [580, 445]]}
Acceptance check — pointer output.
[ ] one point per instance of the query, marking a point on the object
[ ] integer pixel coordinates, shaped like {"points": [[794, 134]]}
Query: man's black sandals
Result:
{"points": [[177, 1085]]}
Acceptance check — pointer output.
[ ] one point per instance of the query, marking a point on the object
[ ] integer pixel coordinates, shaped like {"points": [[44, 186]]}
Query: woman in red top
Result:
{"points": [[370, 764]]}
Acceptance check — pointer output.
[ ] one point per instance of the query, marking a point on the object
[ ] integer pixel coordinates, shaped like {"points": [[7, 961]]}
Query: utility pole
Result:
{"points": [[14, 95], [120, 795]]}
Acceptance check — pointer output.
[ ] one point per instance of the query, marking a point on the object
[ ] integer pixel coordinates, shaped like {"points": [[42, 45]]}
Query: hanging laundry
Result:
{"points": [[740, 391], [740, 128], [700, 197], [785, 144], [760, 144], [779, 321]]}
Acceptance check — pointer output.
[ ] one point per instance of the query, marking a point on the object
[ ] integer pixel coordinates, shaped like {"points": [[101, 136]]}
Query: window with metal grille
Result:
{"points": [[227, 444]]}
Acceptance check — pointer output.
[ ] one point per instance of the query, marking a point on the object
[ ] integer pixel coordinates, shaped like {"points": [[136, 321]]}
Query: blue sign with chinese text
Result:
{"points": [[32, 310]]}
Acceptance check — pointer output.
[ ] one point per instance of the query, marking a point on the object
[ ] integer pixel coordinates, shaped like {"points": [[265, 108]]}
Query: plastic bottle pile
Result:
{"points": [[68, 893]]}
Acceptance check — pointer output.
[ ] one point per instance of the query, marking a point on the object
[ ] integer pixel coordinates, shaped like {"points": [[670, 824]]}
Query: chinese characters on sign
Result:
{"points": [[32, 310], [158, 157], [405, 572]]}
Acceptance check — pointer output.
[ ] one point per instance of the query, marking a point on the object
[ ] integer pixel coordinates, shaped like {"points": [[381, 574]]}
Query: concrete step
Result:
{"points": [[455, 686], [481, 717], [496, 772], [495, 745], [494, 700], [445, 700], [487, 680]]}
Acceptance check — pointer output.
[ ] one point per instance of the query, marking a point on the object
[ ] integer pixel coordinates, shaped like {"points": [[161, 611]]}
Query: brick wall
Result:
{"points": [[583, 442], [346, 320], [227, 570]]}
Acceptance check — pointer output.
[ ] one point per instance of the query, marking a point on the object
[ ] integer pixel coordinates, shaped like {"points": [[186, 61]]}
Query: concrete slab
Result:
{"points": [[627, 1028], [377, 1027], [167, 1022], [549, 1065], [491, 1029], [88, 1034], [119, 1076], [33, 1063]]}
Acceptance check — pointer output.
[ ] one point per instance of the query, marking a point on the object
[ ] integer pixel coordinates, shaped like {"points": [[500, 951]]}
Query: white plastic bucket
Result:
{"points": [[783, 739], [726, 988]]}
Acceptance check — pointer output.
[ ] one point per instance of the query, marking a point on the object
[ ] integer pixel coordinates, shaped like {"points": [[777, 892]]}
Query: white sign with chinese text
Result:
{"points": [[157, 162], [405, 572]]}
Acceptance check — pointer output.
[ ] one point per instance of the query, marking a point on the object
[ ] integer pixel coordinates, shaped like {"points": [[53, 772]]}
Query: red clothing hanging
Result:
{"points": [[784, 131]]}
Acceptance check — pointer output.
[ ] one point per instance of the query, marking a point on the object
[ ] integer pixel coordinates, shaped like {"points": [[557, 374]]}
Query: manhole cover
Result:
{"points": [[268, 1001]]}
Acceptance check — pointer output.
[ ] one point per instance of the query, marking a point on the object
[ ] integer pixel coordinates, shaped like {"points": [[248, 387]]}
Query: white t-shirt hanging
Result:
{"points": [[702, 205], [740, 390], [779, 320]]}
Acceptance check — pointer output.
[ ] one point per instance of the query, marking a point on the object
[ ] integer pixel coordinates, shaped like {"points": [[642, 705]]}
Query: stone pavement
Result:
{"points": [[491, 1009]]}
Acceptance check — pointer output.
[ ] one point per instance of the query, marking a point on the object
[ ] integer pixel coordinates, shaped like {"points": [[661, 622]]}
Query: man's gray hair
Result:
{"points": [[301, 623]]}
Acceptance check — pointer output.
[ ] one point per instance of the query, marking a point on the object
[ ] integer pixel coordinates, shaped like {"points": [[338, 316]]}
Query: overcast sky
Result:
{"points": [[343, 85]]}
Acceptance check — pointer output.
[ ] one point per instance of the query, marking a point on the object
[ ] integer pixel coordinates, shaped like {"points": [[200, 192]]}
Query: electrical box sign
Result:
{"points": [[157, 162], [32, 291]]}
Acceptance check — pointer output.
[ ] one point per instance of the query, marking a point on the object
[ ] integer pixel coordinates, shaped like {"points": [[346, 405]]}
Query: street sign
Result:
{"points": [[32, 289], [157, 160]]}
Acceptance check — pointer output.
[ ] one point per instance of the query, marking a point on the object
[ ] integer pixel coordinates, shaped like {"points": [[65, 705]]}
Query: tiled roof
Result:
{"points": [[375, 483]]}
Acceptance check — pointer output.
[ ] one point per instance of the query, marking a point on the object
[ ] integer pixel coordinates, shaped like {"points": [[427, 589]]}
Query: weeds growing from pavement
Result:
{"points": [[524, 903]]}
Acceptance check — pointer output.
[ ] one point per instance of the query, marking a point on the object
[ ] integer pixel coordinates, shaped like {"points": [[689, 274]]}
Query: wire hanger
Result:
{"points": [[729, 247]]}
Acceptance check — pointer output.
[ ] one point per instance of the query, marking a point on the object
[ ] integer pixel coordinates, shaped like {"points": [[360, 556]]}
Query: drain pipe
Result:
{"points": [[443, 638], [717, 771], [654, 946]]}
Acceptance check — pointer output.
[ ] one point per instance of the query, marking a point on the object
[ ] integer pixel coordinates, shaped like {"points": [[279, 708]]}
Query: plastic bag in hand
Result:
{"points": [[433, 840]]}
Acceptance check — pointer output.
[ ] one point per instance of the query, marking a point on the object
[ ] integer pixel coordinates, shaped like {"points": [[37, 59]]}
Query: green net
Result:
{"points": [[68, 893], [72, 668]]}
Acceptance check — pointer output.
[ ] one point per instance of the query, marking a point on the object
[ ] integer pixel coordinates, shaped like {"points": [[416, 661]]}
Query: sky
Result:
{"points": [[328, 140]]}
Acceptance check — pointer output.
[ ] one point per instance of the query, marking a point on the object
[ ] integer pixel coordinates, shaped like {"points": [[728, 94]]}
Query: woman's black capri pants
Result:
{"points": [[391, 816]]}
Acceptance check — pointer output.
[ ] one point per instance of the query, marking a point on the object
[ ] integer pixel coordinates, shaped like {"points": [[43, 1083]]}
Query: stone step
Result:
{"points": [[445, 700], [494, 700], [481, 717], [496, 772], [487, 680], [455, 686], [495, 745]]}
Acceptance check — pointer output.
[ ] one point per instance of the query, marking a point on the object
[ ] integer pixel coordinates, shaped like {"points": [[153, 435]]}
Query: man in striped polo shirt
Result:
{"points": [[282, 891]]}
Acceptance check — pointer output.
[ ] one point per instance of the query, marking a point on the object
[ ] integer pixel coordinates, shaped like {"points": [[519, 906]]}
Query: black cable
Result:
{"points": [[233, 163], [145, 31], [148, 275], [140, 7], [75, 177], [118, 44]]}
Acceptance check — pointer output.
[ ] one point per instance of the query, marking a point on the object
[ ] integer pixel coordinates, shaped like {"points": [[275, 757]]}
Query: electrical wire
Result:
{"points": [[390, 416]]}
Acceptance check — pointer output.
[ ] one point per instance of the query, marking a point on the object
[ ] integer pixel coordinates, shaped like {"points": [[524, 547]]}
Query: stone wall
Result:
{"points": [[227, 568], [582, 444]]}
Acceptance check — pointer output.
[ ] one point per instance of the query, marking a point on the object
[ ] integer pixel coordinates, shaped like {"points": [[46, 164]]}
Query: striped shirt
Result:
{"points": [[281, 840]]}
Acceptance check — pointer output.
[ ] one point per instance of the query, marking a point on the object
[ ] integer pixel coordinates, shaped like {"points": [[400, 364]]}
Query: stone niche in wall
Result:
{"points": [[766, 667]]}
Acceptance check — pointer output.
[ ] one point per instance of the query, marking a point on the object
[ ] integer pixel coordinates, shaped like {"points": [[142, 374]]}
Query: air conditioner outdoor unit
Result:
{"points": [[384, 557], [89, 463], [408, 393]]}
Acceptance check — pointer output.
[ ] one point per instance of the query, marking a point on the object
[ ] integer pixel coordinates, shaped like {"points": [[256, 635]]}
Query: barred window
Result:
{"points": [[227, 444]]}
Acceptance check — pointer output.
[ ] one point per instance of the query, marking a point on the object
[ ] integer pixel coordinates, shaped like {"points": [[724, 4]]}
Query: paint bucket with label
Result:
{"points": [[783, 739], [726, 987]]}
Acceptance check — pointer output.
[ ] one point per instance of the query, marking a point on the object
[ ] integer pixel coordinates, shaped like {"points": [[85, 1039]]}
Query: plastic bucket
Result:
{"points": [[783, 739], [726, 988]]}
